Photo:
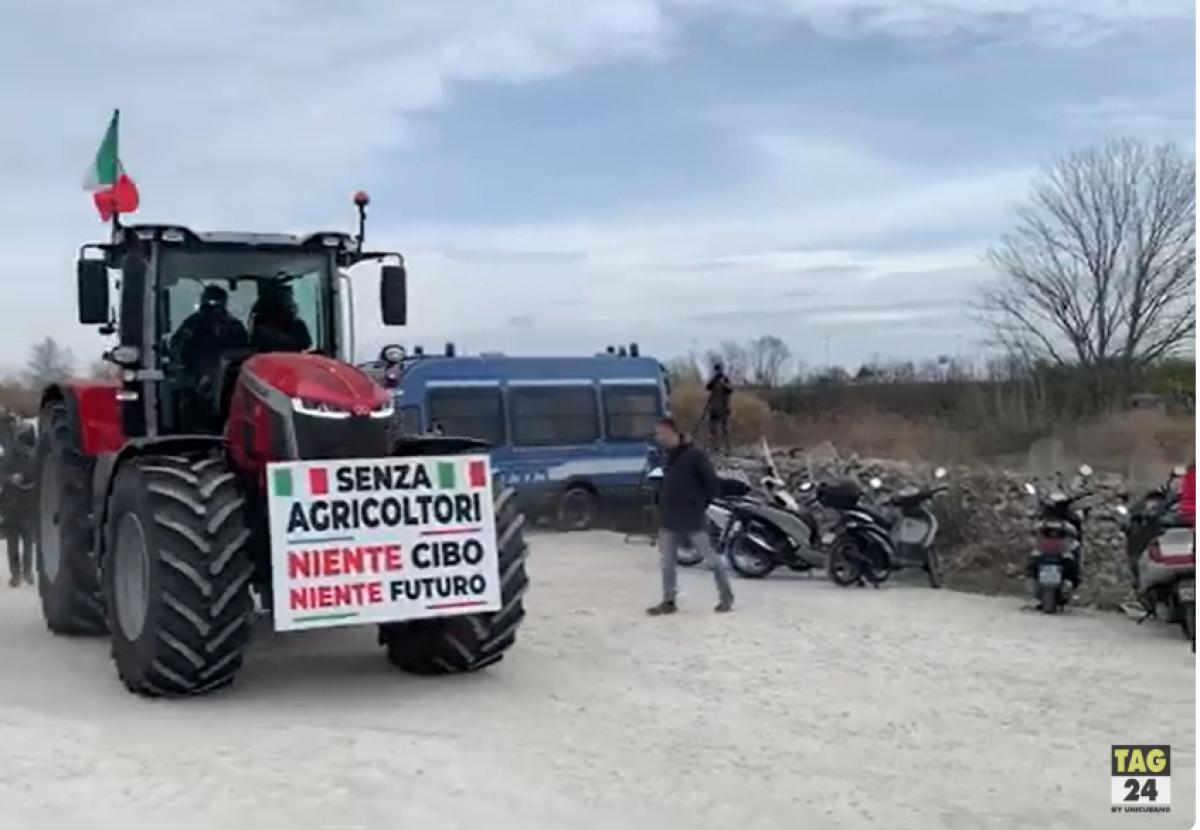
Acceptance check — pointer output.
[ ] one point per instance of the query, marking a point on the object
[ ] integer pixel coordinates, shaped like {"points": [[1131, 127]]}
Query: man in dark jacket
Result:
{"points": [[16, 500], [720, 390], [275, 322], [689, 483]]}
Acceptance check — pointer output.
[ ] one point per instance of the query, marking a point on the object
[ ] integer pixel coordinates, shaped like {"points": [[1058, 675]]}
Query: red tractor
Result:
{"points": [[152, 522]]}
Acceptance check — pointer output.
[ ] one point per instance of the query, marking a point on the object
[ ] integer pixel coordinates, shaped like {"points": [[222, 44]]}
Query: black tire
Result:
{"points": [[68, 581], [186, 519], [749, 562], [578, 509], [457, 645], [1048, 599], [933, 568], [841, 565], [1188, 622]]}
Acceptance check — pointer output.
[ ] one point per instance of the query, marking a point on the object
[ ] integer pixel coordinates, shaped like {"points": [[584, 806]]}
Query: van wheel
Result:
{"points": [[578, 509]]}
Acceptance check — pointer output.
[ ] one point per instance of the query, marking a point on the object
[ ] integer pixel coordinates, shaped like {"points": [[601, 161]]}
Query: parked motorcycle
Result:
{"points": [[1161, 546], [915, 529], [879, 533], [1054, 568], [770, 529]]}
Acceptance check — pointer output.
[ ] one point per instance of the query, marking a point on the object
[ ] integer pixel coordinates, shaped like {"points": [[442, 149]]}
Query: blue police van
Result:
{"points": [[571, 434]]}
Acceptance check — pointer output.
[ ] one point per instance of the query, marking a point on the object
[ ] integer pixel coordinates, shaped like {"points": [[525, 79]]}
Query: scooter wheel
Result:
{"points": [[841, 568]]}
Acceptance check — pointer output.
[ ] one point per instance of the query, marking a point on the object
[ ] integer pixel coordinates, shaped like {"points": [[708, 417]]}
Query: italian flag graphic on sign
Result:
{"points": [[112, 190], [316, 482], [450, 475]]}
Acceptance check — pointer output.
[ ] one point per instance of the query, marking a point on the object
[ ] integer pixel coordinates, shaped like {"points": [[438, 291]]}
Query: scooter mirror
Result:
{"points": [[806, 486], [876, 483], [1030, 489], [940, 472], [1085, 470]]}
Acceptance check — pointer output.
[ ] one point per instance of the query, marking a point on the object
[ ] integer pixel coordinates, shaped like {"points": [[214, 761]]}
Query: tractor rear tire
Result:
{"points": [[68, 581], [176, 575], [457, 645]]}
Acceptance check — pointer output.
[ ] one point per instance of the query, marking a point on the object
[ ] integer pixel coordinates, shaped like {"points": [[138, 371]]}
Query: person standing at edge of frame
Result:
{"points": [[688, 484], [17, 502]]}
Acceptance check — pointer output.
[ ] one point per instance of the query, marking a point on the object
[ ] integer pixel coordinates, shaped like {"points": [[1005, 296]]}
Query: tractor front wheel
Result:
{"points": [[455, 645], [176, 575]]}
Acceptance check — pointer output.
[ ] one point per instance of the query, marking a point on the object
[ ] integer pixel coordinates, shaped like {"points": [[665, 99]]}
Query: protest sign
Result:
{"points": [[362, 541]]}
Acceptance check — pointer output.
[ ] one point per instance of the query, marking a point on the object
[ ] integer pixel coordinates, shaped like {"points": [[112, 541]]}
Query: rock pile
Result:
{"points": [[985, 525]]}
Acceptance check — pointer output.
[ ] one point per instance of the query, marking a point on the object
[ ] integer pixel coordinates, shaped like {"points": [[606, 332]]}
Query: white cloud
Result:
{"points": [[263, 114]]}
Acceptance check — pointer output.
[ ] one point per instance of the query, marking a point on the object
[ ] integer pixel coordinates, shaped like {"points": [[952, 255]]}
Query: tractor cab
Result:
{"points": [[193, 308]]}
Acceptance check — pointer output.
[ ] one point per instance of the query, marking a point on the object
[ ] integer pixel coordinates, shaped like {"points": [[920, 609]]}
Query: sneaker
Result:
{"points": [[28, 578], [14, 581], [662, 609], [724, 606]]}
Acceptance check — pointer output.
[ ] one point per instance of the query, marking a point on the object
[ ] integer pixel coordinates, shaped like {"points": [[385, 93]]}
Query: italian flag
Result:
{"points": [[316, 482], [113, 192], [449, 475]]}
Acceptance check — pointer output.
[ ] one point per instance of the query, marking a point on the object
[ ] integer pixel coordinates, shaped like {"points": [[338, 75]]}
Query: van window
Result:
{"points": [[630, 412], [544, 416], [468, 412]]}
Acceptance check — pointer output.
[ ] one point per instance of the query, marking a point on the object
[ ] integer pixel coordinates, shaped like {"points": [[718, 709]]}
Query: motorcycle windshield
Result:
{"points": [[823, 462]]}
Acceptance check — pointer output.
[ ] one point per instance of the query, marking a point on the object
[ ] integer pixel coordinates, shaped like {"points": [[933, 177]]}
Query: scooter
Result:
{"points": [[1054, 568], [763, 535], [860, 548], [915, 530], [1162, 549]]}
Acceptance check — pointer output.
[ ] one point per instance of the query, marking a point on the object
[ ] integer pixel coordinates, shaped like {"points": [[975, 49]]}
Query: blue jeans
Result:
{"points": [[669, 542]]}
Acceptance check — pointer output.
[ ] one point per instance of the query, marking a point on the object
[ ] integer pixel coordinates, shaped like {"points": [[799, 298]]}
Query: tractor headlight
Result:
{"points": [[318, 409], [392, 354]]}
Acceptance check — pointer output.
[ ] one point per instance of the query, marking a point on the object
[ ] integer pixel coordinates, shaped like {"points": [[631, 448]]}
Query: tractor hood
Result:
{"points": [[314, 378]]}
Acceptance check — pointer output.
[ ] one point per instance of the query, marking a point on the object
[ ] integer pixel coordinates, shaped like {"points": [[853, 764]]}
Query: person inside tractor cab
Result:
{"points": [[205, 337], [208, 332], [275, 324]]}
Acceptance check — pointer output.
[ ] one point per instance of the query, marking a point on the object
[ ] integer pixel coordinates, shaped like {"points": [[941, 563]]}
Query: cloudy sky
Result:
{"points": [[562, 175]]}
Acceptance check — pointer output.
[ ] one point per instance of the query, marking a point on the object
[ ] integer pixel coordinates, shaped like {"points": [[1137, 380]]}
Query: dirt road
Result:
{"points": [[809, 707]]}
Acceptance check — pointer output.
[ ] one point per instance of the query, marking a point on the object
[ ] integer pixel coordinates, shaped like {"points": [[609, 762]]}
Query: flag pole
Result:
{"points": [[116, 217]]}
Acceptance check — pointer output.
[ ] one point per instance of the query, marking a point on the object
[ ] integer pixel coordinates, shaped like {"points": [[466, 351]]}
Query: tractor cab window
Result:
{"points": [[282, 298]]}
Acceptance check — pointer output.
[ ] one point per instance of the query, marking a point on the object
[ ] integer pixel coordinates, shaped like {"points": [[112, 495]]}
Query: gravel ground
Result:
{"points": [[808, 707]]}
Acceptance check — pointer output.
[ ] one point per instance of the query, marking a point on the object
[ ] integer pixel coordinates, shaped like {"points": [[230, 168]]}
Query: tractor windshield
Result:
{"points": [[246, 276]]}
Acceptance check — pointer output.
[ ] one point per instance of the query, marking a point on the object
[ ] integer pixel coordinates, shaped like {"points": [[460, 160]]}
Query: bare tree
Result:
{"points": [[48, 361], [103, 370], [685, 369], [734, 358], [1100, 268], [768, 359]]}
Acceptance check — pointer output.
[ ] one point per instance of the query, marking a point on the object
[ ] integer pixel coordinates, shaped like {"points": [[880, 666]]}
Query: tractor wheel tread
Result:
{"points": [[200, 610], [457, 645], [72, 604]]}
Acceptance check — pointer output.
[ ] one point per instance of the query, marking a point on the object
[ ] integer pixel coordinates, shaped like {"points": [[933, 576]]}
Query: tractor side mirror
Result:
{"points": [[393, 295], [91, 275]]}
